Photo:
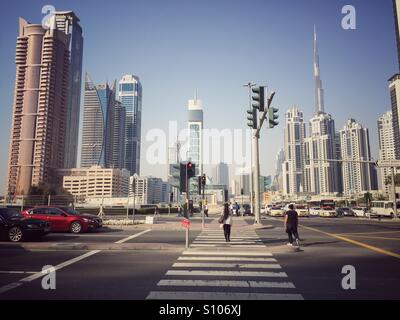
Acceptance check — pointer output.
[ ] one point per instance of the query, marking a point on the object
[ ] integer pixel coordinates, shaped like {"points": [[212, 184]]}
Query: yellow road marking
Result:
{"points": [[361, 244], [378, 232], [371, 237]]}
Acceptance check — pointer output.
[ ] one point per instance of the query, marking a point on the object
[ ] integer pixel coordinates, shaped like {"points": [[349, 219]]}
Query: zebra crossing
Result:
{"points": [[213, 269]]}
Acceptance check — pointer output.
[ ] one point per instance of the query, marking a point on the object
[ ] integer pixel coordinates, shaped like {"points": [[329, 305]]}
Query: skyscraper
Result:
{"points": [[98, 124], [394, 84], [195, 126], [277, 182], [68, 22], [130, 95], [358, 177], [320, 177], [222, 174], [319, 92], [295, 132], [386, 145], [40, 104], [118, 138]]}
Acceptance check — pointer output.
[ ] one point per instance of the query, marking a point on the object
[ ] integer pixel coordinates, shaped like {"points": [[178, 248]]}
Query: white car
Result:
{"points": [[302, 211], [267, 209], [327, 212], [360, 212], [314, 211], [277, 212]]}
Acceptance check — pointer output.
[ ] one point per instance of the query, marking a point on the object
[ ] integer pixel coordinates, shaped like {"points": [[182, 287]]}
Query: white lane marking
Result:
{"points": [[226, 273], [10, 286], [40, 274], [227, 259], [133, 236], [222, 237], [59, 266], [168, 295], [227, 253], [226, 283], [17, 272], [226, 265]]}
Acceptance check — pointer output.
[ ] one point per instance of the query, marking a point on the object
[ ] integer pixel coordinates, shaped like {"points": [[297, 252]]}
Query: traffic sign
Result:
{"points": [[186, 223], [388, 163]]}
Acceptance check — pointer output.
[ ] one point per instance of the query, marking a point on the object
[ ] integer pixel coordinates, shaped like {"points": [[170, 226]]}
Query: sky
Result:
{"points": [[216, 46]]}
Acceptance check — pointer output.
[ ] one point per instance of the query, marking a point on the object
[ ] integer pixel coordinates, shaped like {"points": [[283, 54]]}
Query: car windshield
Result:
{"points": [[70, 211], [10, 214]]}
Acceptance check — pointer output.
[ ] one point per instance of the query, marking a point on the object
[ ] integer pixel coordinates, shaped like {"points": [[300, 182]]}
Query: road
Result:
{"points": [[151, 262]]}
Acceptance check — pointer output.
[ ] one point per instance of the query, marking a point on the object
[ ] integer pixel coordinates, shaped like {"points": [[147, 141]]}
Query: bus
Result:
{"points": [[384, 208]]}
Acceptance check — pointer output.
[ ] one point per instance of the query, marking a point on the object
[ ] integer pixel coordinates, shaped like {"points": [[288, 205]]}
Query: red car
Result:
{"points": [[64, 219]]}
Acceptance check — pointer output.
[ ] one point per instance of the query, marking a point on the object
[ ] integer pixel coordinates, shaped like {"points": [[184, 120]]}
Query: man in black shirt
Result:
{"points": [[291, 224]]}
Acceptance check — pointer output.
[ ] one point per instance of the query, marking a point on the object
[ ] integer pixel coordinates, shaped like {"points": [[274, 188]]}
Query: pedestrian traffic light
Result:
{"points": [[203, 180], [258, 99], [273, 116], [252, 118], [190, 169]]}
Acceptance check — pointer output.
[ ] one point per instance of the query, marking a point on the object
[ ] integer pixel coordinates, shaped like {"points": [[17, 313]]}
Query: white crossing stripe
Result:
{"points": [[226, 273], [225, 283], [226, 265], [227, 259], [228, 253], [223, 241], [180, 295], [228, 244]]}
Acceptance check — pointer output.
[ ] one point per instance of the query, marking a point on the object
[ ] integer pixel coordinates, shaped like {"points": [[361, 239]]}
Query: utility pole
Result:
{"points": [[249, 86]]}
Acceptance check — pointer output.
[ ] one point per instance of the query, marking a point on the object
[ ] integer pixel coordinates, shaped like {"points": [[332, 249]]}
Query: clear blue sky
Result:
{"points": [[175, 46]]}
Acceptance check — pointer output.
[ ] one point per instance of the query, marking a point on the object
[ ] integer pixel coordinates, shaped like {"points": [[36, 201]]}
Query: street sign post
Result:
{"points": [[186, 224]]}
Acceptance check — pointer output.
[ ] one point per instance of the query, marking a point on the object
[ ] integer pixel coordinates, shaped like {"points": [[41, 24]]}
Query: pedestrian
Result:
{"points": [[226, 221], [179, 211], [156, 211], [291, 225], [206, 210]]}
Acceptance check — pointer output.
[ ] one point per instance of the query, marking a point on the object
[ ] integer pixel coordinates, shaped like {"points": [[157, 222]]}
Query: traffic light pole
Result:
{"points": [[256, 180]]}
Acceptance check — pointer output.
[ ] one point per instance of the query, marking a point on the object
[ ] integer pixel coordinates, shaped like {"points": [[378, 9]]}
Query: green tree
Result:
{"points": [[388, 180]]}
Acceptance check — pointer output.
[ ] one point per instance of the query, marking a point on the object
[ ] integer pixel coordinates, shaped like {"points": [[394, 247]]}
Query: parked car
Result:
{"points": [[64, 219], [15, 227], [345, 212], [277, 212], [328, 212], [360, 211]]}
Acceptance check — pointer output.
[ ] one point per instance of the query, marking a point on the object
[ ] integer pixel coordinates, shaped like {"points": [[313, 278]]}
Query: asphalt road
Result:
{"points": [[211, 266]]}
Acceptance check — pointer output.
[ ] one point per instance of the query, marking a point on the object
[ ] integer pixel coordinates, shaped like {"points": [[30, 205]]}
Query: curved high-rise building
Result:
{"points": [[98, 124]]}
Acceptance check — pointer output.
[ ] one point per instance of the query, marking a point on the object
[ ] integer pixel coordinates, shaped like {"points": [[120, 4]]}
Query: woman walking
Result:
{"points": [[226, 220]]}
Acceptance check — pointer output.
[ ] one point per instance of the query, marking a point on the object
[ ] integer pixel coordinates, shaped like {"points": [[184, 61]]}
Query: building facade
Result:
{"points": [[149, 190], [38, 130], [130, 95], [98, 124], [96, 182], [321, 177], [195, 127], [386, 146], [358, 177], [221, 175], [68, 22], [118, 136], [292, 168]]}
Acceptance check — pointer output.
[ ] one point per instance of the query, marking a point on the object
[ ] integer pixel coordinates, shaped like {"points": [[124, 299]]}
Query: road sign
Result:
{"points": [[186, 223], [388, 163]]}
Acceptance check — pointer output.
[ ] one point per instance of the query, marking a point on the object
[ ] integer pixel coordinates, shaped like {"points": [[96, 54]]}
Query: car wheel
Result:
{"points": [[76, 227], [15, 234]]}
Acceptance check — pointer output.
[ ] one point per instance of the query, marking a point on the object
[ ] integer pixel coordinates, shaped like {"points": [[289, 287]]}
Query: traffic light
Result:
{"points": [[273, 116], [182, 178], [258, 99], [191, 172], [203, 180], [252, 118]]}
